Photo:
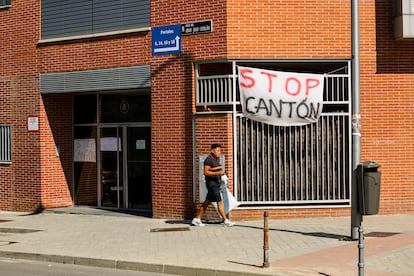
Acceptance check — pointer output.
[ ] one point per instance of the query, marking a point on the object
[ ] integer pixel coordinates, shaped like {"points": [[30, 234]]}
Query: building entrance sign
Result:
{"points": [[166, 40]]}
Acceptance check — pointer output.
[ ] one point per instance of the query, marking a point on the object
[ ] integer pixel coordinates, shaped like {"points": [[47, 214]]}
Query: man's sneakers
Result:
{"points": [[197, 222], [227, 222]]}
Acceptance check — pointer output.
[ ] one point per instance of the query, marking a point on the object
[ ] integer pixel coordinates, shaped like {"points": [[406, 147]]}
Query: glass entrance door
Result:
{"points": [[139, 167], [112, 167], [125, 158]]}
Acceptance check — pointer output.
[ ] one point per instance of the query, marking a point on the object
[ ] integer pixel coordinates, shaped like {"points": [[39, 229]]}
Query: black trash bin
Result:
{"points": [[369, 179]]}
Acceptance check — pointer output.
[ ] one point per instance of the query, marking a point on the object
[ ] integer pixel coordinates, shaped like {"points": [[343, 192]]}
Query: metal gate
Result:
{"points": [[296, 165]]}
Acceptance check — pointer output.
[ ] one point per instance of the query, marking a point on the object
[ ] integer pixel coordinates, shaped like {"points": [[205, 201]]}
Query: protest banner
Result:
{"points": [[280, 98]]}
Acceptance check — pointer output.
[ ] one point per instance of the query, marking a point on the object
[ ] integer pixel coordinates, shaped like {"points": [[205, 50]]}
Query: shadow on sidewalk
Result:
{"points": [[314, 234], [37, 211], [91, 210]]}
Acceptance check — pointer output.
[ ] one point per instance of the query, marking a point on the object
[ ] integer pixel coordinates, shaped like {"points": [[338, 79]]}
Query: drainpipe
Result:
{"points": [[356, 217]]}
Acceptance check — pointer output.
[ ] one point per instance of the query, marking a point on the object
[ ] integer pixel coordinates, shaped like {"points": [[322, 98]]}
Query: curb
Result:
{"points": [[126, 265]]}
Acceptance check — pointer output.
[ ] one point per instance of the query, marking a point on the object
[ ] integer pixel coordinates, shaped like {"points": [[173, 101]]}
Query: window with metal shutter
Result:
{"points": [[5, 3], [63, 18]]}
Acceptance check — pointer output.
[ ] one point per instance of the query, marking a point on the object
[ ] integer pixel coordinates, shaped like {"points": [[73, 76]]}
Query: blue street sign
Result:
{"points": [[166, 40]]}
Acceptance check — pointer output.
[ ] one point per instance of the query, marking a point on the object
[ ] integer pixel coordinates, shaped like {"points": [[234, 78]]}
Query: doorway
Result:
{"points": [[112, 150], [125, 167]]}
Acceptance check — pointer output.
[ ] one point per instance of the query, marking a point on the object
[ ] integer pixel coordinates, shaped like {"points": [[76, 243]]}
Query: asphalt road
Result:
{"points": [[13, 267]]}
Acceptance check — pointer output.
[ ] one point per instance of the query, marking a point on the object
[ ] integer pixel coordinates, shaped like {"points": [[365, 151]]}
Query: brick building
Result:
{"points": [[91, 114]]}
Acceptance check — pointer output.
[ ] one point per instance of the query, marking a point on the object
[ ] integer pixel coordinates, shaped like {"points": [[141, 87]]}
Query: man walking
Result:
{"points": [[212, 172]]}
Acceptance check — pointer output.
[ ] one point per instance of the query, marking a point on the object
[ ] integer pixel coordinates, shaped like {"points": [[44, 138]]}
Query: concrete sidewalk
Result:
{"points": [[313, 246]]}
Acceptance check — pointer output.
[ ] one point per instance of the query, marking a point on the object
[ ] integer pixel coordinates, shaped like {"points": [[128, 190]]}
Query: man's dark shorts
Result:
{"points": [[213, 189]]}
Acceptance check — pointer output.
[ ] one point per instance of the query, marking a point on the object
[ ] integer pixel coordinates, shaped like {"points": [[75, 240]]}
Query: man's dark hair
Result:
{"points": [[213, 146]]}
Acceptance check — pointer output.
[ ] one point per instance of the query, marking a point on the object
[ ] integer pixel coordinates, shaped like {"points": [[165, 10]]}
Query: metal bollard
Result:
{"points": [[361, 250], [266, 241]]}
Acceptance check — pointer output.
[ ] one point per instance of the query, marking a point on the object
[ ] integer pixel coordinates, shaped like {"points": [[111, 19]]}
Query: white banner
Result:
{"points": [[280, 98]]}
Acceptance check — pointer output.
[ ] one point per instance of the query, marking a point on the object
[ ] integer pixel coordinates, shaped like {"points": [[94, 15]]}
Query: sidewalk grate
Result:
{"points": [[170, 229], [381, 234]]}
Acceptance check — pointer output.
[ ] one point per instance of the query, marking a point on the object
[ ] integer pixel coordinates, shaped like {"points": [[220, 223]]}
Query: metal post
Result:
{"points": [[356, 217], [361, 251], [266, 241]]}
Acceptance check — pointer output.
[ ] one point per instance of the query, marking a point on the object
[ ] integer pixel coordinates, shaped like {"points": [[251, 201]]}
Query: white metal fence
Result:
{"points": [[305, 164], [296, 165], [215, 90]]}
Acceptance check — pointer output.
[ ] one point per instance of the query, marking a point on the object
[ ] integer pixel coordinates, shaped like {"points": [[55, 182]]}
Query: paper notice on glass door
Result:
{"points": [[111, 144], [84, 150]]}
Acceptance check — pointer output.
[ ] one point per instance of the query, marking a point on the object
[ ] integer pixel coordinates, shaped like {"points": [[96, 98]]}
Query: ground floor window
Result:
{"points": [[5, 144], [285, 165]]}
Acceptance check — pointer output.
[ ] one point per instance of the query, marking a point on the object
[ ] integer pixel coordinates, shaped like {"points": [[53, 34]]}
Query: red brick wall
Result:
{"points": [[289, 29], [200, 47], [116, 51], [387, 101], [35, 178], [18, 63], [242, 30], [213, 128], [322, 30], [6, 171], [56, 125], [172, 89], [171, 98]]}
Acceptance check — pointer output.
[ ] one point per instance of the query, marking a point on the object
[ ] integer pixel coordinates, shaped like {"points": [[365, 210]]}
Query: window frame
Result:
{"points": [[5, 144]]}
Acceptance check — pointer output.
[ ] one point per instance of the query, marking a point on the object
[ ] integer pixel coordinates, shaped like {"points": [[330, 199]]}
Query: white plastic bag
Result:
{"points": [[229, 202], [224, 182]]}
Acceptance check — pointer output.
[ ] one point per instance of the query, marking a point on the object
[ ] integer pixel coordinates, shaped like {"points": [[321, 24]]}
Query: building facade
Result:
{"points": [[103, 104]]}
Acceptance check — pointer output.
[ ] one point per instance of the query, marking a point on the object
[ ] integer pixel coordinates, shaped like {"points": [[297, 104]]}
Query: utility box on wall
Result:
{"points": [[403, 19]]}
